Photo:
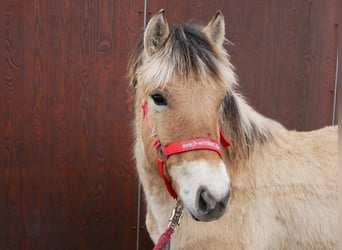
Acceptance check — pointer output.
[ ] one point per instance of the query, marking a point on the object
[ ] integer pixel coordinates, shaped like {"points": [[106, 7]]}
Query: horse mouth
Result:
{"points": [[207, 217], [210, 215]]}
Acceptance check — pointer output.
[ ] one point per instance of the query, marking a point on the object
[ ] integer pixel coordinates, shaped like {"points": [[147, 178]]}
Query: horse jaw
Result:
{"points": [[203, 188]]}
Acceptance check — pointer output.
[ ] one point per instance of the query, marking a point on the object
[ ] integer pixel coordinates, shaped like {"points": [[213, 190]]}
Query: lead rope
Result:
{"points": [[174, 221]]}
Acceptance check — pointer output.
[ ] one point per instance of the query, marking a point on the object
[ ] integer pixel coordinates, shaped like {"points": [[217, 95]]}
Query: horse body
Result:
{"points": [[283, 183]]}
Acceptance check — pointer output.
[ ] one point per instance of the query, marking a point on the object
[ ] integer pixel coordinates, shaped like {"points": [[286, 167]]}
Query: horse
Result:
{"points": [[272, 188]]}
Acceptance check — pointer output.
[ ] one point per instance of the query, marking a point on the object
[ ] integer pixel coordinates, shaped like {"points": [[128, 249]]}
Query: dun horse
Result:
{"points": [[271, 189]]}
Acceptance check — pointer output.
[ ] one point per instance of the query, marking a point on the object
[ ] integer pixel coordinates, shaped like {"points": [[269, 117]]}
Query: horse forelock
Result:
{"points": [[186, 52]]}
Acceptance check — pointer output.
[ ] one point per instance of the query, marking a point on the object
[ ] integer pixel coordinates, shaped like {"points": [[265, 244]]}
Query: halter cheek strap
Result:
{"points": [[163, 152]]}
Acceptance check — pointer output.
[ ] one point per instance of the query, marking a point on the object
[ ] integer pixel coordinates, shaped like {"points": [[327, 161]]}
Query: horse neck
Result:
{"points": [[245, 128]]}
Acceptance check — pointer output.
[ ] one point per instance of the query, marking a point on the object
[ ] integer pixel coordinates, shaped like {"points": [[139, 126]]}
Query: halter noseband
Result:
{"points": [[164, 151]]}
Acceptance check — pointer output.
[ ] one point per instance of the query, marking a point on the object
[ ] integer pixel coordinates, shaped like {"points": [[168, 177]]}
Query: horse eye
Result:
{"points": [[159, 100]]}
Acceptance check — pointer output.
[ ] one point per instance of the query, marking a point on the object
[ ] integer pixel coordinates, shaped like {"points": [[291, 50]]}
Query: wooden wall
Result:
{"points": [[67, 178], [67, 169]]}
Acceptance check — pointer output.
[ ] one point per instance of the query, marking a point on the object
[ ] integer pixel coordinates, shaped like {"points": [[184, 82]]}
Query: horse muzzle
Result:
{"points": [[204, 188]]}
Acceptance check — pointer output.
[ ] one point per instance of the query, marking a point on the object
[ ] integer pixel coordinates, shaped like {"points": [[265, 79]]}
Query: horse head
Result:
{"points": [[182, 76]]}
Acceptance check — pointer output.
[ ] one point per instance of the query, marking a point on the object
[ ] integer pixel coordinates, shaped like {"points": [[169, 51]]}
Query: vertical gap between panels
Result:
{"points": [[139, 184], [335, 92]]}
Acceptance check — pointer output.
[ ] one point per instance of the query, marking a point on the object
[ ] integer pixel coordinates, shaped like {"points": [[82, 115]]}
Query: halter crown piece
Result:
{"points": [[164, 151]]}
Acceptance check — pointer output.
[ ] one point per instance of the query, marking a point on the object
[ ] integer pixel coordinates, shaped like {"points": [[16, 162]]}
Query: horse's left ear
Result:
{"points": [[215, 29]]}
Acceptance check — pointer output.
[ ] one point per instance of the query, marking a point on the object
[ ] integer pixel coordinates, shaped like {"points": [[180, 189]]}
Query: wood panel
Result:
{"points": [[2, 118], [69, 179]]}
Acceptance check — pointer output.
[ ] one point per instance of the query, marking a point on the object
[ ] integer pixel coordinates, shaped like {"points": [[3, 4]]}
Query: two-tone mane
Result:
{"points": [[272, 189], [187, 50]]}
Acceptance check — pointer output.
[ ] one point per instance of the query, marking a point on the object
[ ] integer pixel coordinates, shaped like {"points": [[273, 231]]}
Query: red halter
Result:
{"points": [[165, 151]]}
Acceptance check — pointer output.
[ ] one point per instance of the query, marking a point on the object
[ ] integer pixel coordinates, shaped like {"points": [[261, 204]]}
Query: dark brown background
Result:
{"points": [[67, 179]]}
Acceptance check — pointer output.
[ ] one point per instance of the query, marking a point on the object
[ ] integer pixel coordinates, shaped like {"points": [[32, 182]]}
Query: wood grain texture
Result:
{"points": [[68, 179], [2, 128]]}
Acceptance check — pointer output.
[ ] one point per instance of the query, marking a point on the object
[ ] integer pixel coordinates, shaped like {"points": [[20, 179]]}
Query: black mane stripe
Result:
{"points": [[232, 116], [191, 47]]}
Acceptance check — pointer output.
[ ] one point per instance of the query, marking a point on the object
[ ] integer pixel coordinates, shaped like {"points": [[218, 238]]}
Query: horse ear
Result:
{"points": [[215, 29], [156, 32]]}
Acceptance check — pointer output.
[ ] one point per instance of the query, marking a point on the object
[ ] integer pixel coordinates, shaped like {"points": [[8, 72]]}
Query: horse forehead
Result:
{"points": [[198, 91], [194, 107]]}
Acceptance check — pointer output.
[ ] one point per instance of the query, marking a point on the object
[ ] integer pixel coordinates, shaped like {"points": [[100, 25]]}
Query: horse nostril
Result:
{"points": [[208, 204], [206, 201], [202, 204]]}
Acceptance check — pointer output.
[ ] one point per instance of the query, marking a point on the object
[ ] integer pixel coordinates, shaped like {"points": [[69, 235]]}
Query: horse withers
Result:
{"points": [[271, 189]]}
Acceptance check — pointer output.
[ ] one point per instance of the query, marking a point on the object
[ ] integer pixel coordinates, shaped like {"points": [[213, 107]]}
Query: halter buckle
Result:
{"points": [[176, 216], [160, 150]]}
